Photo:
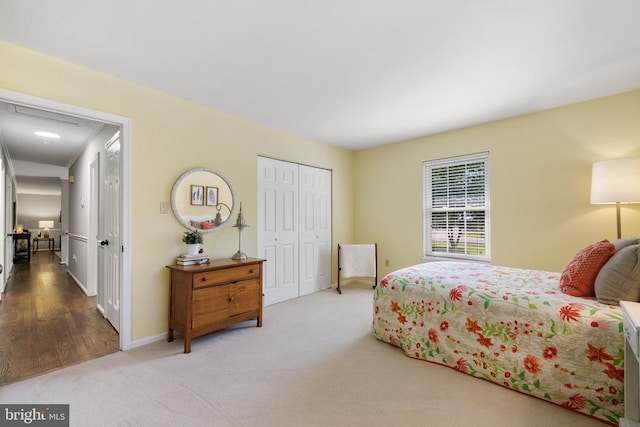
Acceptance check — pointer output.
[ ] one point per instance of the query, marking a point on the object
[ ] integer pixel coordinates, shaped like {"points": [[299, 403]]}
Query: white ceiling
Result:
{"points": [[18, 124], [352, 73], [39, 162]]}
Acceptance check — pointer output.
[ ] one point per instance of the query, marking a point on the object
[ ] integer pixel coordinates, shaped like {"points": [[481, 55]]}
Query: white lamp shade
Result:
{"points": [[616, 181], [45, 224]]}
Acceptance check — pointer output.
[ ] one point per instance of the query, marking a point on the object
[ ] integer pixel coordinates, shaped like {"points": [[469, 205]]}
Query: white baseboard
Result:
{"points": [[355, 281], [80, 285], [148, 340]]}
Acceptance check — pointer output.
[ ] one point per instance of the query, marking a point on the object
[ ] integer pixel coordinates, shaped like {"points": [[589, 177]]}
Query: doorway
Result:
{"points": [[122, 276], [47, 322]]}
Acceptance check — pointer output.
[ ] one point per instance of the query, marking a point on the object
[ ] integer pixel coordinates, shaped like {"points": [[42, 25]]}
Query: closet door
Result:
{"points": [[315, 229], [278, 228]]}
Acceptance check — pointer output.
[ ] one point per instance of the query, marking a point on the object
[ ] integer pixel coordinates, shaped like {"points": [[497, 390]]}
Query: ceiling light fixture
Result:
{"points": [[45, 134]]}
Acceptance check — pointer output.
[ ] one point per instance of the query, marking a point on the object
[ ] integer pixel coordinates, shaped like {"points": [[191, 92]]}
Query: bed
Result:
{"points": [[513, 327]]}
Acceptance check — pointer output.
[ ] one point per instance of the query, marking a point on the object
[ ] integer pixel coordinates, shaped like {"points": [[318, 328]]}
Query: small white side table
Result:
{"points": [[631, 321]]}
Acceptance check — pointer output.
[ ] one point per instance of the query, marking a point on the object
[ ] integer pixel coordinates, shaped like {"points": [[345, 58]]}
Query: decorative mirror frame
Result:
{"points": [[176, 188]]}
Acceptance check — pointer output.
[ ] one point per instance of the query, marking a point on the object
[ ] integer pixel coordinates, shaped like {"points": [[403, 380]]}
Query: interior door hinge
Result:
{"points": [[122, 248]]}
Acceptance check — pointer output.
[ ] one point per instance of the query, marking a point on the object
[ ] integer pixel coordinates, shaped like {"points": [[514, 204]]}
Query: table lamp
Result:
{"points": [[240, 224], [615, 182], [46, 225]]}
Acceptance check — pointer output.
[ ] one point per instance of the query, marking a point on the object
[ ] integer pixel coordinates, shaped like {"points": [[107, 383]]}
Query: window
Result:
{"points": [[456, 207]]}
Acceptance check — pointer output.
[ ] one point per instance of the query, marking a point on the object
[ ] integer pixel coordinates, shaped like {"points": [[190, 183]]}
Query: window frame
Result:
{"points": [[428, 209]]}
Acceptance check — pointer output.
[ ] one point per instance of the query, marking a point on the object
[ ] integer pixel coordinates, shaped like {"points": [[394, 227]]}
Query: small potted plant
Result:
{"points": [[193, 240]]}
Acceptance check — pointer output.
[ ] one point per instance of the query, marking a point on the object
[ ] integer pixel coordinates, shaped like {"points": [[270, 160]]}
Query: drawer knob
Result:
{"points": [[250, 271], [204, 279]]}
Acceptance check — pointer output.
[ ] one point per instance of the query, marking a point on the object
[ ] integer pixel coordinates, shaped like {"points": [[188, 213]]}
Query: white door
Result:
{"points": [[64, 237], [8, 226], [315, 229], [92, 247], [278, 228], [3, 234], [110, 227]]}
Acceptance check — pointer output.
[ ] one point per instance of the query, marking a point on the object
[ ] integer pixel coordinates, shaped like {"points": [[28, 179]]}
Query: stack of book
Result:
{"points": [[186, 259]]}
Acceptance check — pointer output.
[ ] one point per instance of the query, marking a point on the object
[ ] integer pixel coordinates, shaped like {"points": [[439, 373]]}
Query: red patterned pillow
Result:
{"points": [[579, 276]]}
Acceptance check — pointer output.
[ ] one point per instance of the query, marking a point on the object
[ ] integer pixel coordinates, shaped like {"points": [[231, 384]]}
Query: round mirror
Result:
{"points": [[202, 200]]}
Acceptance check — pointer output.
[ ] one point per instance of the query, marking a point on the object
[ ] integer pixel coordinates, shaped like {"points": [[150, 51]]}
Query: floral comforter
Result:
{"points": [[510, 326]]}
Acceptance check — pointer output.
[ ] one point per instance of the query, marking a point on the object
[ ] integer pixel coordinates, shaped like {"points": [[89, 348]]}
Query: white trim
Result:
{"points": [[125, 175], [92, 249], [78, 282], [359, 281], [428, 258], [149, 340], [78, 237], [427, 205], [125, 235]]}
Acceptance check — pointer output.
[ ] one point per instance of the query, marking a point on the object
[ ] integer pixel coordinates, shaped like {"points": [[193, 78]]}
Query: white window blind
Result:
{"points": [[456, 207]]}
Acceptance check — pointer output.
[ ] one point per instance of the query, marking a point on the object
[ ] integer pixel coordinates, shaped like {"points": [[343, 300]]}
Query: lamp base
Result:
{"points": [[239, 256]]}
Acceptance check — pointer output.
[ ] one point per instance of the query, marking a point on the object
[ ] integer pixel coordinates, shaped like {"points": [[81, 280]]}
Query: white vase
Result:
{"points": [[193, 249]]}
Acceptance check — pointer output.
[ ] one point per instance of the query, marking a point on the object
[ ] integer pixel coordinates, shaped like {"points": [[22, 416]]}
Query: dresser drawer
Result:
{"points": [[631, 335], [226, 275], [629, 310]]}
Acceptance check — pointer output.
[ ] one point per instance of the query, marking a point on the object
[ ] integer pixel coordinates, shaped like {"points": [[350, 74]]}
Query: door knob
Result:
{"points": [[104, 243]]}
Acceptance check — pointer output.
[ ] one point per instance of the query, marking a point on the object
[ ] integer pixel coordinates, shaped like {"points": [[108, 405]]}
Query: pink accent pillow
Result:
{"points": [[579, 276]]}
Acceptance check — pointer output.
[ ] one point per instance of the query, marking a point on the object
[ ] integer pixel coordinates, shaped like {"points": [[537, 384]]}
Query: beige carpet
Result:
{"points": [[313, 363]]}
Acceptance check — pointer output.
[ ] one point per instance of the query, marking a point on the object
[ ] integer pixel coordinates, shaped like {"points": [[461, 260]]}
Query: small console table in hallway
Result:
{"points": [[37, 240], [21, 247]]}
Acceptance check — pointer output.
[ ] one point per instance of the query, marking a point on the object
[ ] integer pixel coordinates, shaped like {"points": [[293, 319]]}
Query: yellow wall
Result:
{"points": [[540, 166], [540, 175], [169, 136]]}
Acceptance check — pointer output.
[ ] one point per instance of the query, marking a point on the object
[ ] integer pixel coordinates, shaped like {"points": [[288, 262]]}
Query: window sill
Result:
{"points": [[432, 258]]}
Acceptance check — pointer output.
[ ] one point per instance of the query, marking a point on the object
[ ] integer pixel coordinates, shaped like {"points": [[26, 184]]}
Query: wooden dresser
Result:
{"points": [[206, 298]]}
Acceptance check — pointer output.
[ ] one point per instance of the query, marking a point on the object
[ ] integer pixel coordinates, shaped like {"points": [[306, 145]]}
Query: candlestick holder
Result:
{"points": [[240, 224]]}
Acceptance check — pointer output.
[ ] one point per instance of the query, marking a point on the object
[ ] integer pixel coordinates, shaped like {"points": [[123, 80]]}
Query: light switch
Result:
{"points": [[164, 207]]}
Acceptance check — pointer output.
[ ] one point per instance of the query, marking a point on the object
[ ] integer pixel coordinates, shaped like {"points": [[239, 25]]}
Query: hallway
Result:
{"points": [[46, 321]]}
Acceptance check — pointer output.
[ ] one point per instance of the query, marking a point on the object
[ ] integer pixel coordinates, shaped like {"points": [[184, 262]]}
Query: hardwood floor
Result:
{"points": [[47, 322]]}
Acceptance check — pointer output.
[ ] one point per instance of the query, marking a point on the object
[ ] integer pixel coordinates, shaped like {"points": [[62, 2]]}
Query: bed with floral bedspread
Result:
{"points": [[511, 326]]}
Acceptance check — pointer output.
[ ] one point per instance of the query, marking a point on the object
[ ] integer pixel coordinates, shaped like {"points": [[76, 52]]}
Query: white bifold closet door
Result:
{"points": [[294, 228]]}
